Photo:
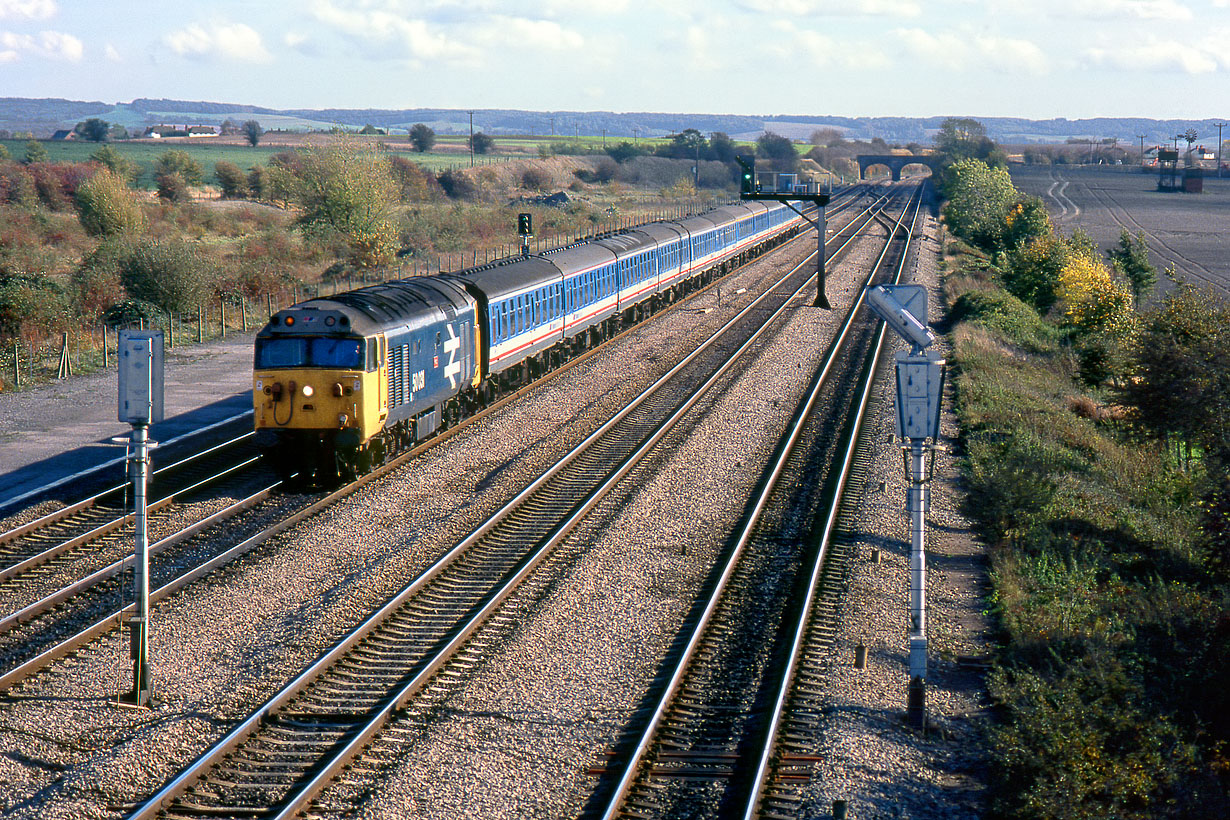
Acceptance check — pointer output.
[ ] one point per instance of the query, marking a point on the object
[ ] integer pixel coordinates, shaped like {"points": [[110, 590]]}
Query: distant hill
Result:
{"points": [[45, 116]]}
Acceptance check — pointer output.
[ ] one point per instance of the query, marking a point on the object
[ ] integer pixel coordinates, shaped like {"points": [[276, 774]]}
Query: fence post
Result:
{"points": [[222, 320], [200, 323], [269, 303], [170, 329], [243, 312], [106, 363], [16, 364]]}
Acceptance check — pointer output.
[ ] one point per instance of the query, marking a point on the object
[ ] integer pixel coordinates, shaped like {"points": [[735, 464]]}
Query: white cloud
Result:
{"points": [[822, 51], [836, 8], [388, 27], [544, 35], [28, 9], [51, 45], [1160, 55], [1113, 10], [219, 41], [959, 51], [113, 54]]}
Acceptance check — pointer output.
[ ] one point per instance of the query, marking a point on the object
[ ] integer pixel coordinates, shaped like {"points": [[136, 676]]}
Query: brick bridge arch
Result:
{"points": [[895, 163]]}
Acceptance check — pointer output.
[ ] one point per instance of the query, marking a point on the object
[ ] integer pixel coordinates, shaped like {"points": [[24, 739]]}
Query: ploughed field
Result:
{"points": [[1190, 231]]}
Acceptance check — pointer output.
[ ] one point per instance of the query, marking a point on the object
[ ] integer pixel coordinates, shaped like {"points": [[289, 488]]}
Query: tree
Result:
{"points": [[962, 138], [979, 199], [178, 161], [231, 179], [481, 143], [106, 207], [1131, 258], [1092, 298], [169, 274], [422, 137], [117, 163], [721, 147], [349, 190], [625, 151], [779, 151], [93, 129], [687, 144], [1182, 384], [370, 130], [252, 132], [35, 152]]}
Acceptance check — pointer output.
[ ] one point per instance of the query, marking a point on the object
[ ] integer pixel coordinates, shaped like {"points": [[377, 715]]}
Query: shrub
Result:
{"points": [[56, 183], [179, 162], [1032, 271], [1091, 298], [173, 188], [536, 178], [119, 164], [106, 207], [16, 185], [231, 179], [32, 306], [415, 182], [170, 274], [457, 185]]}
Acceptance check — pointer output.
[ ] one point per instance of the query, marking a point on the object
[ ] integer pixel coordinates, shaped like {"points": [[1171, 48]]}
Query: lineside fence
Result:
{"points": [[87, 347]]}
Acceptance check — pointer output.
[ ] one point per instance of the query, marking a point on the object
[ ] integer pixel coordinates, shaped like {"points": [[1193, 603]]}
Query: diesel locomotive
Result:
{"points": [[343, 382]]}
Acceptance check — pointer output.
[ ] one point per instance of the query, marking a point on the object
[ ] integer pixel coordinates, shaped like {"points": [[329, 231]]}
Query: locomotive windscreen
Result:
{"points": [[309, 352]]}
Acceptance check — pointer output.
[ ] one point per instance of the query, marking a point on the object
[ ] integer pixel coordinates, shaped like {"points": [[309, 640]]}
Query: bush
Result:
{"points": [[1032, 271], [106, 207], [457, 185], [119, 164], [179, 162], [170, 274], [32, 306], [231, 179], [536, 178], [416, 183], [173, 188]]}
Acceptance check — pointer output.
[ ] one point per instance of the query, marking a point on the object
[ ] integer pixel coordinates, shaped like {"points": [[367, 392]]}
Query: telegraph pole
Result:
{"points": [[1141, 137], [471, 139], [1219, 125]]}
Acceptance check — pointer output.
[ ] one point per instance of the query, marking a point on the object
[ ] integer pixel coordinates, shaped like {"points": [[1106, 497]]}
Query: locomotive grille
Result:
{"points": [[399, 375]]}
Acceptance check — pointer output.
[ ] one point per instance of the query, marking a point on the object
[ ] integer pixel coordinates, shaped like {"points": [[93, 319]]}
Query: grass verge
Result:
{"points": [[1114, 653]]}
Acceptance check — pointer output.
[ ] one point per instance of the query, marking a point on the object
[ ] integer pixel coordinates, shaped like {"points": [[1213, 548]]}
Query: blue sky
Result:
{"points": [[1030, 58]]}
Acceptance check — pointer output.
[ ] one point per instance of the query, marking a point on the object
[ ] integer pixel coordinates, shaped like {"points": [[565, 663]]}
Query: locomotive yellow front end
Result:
{"points": [[316, 393]]}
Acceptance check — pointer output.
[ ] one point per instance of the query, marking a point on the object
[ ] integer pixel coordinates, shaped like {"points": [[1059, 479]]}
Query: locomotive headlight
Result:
{"points": [[357, 382], [260, 384], [342, 418], [308, 391]]}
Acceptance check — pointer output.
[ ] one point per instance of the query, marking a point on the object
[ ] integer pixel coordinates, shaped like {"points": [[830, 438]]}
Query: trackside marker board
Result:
{"points": [[141, 366]]}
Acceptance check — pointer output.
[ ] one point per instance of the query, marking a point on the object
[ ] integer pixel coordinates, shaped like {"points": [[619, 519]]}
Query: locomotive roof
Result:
{"points": [[379, 307]]}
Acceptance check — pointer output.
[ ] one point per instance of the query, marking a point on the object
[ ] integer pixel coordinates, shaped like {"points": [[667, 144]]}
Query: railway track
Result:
{"points": [[276, 761], [728, 733], [64, 576]]}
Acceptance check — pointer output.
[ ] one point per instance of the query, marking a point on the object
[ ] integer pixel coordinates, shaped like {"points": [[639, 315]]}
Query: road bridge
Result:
{"points": [[895, 162]]}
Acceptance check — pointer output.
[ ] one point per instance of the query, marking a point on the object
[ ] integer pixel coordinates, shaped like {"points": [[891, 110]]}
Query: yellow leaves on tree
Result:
{"points": [[1092, 298]]}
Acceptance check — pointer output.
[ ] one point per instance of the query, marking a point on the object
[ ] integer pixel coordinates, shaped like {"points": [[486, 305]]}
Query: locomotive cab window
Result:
{"points": [[349, 354]]}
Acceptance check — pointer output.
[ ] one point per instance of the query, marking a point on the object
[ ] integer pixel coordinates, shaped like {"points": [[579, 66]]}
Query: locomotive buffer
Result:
{"points": [[749, 189]]}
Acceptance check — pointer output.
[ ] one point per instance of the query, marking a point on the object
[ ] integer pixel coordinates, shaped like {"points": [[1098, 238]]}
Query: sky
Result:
{"points": [[1029, 58]]}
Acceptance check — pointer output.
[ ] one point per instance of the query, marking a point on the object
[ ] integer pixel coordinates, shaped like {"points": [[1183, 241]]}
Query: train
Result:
{"points": [[343, 383]]}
